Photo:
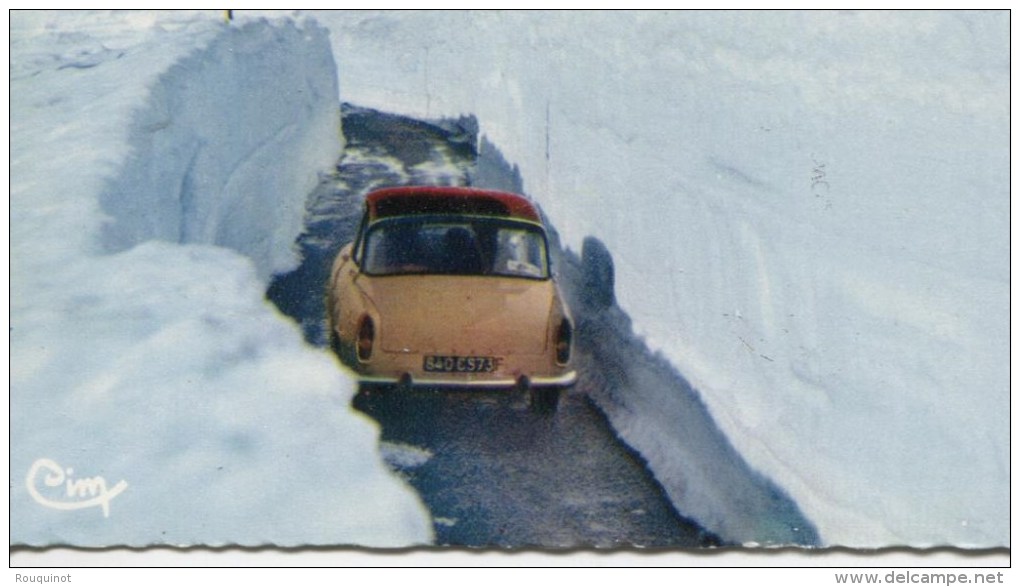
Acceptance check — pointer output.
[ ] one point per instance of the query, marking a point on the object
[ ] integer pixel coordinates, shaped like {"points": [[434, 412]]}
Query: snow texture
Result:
{"points": [[808, 213], [160, 164]]}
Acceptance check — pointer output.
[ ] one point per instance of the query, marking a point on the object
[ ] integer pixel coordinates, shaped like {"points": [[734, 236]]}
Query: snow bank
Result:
{"points": [[159, 167], [228, 142], [664, 419], [809, 217]]}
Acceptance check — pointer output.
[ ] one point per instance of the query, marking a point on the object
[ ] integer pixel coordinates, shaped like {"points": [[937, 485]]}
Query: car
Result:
{"points": [[451, 287]]}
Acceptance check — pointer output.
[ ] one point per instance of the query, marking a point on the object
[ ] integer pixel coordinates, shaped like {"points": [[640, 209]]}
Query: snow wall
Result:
{"points": [[159, 171], [808, 214]]}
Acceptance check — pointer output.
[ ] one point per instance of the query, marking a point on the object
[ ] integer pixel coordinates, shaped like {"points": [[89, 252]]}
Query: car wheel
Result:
{"points": [[544, 400]]}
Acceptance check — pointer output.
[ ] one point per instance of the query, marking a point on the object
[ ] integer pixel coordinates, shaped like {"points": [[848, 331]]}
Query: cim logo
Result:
{"points": [[74, 493]]}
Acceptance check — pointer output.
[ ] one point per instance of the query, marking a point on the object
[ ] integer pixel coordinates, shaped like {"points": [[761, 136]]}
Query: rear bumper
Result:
{"points": [[564, 379]]}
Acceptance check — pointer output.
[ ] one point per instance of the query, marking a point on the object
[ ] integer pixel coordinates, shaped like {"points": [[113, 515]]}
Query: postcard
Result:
{"points": [[681, 281]]}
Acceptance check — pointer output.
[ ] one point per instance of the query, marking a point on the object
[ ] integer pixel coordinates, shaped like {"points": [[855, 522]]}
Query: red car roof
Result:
{"points": [[402, 201]]}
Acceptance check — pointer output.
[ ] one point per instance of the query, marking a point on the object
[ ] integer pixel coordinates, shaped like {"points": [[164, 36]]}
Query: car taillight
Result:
{"points": [[366, 339], [564, 340]]}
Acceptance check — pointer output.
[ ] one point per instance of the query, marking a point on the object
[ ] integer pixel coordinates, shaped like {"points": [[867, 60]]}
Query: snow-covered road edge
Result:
{"points": [[159, 173], [230, 141], [660, 415], [809, 215]]}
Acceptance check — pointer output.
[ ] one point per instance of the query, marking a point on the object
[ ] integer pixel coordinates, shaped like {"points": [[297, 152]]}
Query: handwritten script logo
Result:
{"points": [[77, 493]]}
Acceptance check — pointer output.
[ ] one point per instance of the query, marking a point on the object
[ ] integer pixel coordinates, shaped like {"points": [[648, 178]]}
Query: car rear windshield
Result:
{"points": [[455, 246]]}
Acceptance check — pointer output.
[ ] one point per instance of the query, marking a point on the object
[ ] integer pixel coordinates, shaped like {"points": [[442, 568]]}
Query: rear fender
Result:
{"points": [[558, 313]]}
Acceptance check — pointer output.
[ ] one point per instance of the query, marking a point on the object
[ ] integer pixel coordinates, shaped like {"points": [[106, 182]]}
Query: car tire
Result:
{"points": [[544, 400]]}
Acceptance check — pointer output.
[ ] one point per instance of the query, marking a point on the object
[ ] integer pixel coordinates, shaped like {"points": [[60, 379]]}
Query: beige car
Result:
{"points": [[451, 287]]}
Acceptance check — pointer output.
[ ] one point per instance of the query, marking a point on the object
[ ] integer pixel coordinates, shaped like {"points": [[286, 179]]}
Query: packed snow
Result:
{"points": [[160, 164], [809, 217], [807, 212]]}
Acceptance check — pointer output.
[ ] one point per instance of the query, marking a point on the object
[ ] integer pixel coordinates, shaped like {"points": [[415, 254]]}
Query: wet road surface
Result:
{"points": [[492, 471]]}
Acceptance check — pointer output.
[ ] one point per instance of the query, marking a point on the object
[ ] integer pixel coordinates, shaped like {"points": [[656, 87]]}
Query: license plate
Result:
{"points": [[448, 364]]}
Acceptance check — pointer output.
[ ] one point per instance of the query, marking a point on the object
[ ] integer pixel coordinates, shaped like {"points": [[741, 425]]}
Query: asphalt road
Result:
{"points": [[492, 471], [495, 473]]}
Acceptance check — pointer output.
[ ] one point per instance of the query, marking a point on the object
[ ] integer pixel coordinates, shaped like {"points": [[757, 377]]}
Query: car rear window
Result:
{"points": [[455, 246]]}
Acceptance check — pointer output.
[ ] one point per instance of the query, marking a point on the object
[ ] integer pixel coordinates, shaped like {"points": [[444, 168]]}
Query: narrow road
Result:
{"points": [[492, 472], [495, 473]]}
